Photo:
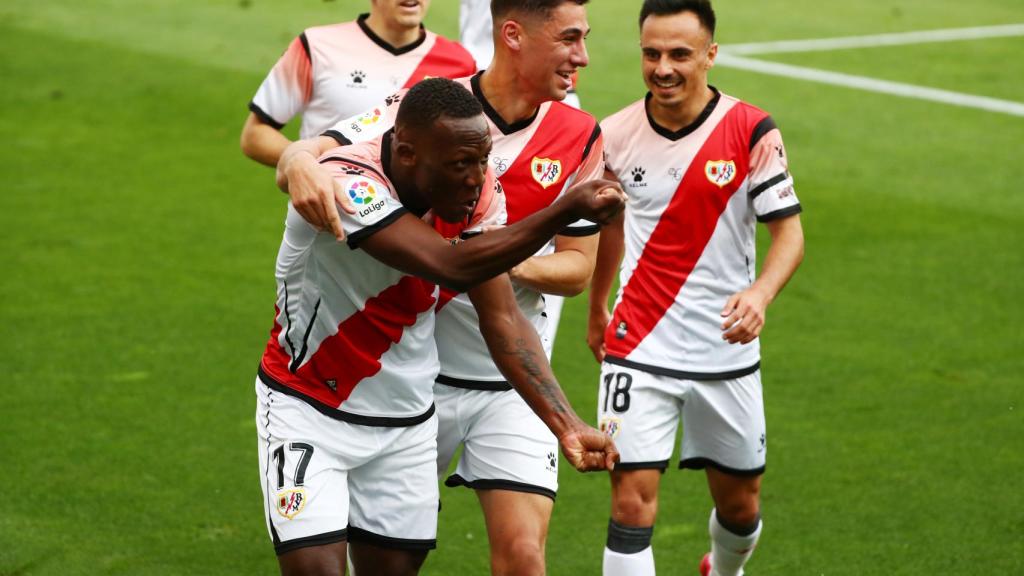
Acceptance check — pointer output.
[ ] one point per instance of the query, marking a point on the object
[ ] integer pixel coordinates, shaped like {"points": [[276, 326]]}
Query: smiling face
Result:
{"points": [[401, 13], [450, 165], [677, 54], [552, 48]]}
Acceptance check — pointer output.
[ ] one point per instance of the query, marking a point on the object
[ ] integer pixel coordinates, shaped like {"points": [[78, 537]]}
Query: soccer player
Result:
{"points": [[540, 147], [333, 72], [700, 169], [345, 415]]}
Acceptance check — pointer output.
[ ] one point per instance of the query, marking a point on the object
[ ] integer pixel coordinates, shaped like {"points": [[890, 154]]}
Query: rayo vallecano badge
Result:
{"points": [[720, 172], [291, 502], [546, 171]]}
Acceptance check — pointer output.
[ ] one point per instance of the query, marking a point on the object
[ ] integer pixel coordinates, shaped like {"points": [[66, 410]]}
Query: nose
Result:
{"points": [[579, 57], [663, 68], [475, 175]]}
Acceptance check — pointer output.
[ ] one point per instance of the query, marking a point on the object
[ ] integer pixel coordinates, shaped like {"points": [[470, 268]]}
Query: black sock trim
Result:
{"points": [[628, 539], [738, 530]]}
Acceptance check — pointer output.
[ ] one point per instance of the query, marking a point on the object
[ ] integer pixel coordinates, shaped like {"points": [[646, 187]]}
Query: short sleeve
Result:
{"points": [[367, 125], [375, 206], [771, 185], [288, 87]]}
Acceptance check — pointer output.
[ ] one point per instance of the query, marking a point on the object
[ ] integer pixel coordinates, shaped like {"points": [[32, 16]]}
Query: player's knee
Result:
{"points": [[626, 539], [518, 556], [740, 514], [635, 507]]}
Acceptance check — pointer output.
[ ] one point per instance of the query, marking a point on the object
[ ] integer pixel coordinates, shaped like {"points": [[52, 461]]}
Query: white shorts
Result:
{"points": [[723, 420], [505, 445], [325, 480]]}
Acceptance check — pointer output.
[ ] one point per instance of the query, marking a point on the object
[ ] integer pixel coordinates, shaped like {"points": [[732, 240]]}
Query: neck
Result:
{"points": [[390, 32], [685, 113], [506, 92]]}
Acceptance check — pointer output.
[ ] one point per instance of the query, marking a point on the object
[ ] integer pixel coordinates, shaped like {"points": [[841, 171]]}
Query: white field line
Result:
{"points": [[901, 38], [871, 84]]}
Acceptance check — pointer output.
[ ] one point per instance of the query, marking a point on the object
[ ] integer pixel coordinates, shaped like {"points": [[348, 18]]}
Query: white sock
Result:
{"points": [[639, 564], [729, 552]]}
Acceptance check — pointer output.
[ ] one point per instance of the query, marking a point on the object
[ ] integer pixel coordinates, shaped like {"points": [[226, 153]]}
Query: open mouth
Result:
{"points": [[409, 4], [667, 83]]}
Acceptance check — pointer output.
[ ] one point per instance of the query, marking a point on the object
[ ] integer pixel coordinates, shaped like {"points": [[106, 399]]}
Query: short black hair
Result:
{"points": [[502, 8], [702, 8], [434, 98]]}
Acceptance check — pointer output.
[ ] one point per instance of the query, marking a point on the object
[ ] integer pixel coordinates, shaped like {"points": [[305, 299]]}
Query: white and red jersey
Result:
{"points": [[536, 160], [694, 199], [336, 71], [352, 336]]}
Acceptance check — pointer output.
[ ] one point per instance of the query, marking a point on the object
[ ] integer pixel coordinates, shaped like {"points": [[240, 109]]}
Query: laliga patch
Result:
{"points": [[546, 171], [720, 172], [291, 502], [370, 118], [610, 425], [367, 196]]}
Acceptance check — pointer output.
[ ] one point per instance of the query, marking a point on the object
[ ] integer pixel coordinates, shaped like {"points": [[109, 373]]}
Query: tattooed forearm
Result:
{"points": [[539, 379]]}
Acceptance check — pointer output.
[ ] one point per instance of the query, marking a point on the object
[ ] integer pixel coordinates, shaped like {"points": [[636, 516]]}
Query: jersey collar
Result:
{"points": [[685, 129], [384, 44], [493, 115]]}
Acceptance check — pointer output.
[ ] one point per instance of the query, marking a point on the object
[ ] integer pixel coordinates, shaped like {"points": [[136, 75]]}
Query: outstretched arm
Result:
{"points": [[744, 313], [517, 352], [410, 245]]}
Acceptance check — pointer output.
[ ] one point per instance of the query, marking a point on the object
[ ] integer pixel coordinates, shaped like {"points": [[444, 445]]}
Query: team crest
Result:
{"points": [[610, 426], [720, 172], [291, 502], [546, 171], [361, 191]]}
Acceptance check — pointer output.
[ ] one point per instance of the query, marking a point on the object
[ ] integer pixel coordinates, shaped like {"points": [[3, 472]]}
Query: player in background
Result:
{"points": [[345, 415], [476, 35], [700, 169], [540, 147], [336, 71]]}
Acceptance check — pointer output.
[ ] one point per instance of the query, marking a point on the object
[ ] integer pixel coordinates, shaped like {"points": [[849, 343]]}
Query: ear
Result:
{"points": [[405, 152], [712, 54], [510, 35]]}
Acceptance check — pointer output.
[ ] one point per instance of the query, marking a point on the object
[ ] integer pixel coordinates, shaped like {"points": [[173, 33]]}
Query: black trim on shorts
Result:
{"points": [[310, 541], [682, 374], [492, 114], [655, 465], [763, 127], [266, 475], [580, 231], [264, 117], [338, 137], [485, 385], [702, 463], [782, 213], [594, 135], [685, 130], [455, 481], [756, 190], [384, 43], [358, 236], [376, 421], [360, 535]]}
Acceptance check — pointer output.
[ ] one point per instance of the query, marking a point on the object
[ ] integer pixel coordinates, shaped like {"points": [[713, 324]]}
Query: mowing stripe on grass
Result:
{"points": [[875, 40], [871, 84]]}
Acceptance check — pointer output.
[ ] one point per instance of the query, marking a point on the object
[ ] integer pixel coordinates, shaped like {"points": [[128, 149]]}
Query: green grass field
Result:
{"points": [[139, 243]]}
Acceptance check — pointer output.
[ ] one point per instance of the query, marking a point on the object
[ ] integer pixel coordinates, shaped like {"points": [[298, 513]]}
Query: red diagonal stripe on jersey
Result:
{"points": [[562, 135], [445, 59], [354, 352], [676, 244]]}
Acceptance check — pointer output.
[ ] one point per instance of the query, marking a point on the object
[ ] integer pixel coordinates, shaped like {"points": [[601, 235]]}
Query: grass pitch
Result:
{"points": [[139, 243]]}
